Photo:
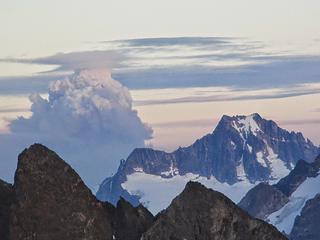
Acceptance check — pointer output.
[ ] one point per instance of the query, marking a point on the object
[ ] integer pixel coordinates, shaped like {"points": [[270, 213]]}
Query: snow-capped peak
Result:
{"points": [[247, 124], [242, 150]]}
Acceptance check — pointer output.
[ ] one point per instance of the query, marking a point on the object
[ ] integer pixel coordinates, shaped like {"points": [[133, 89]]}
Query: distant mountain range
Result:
{"points": [[241, 152], [292, 204], [49, 201]]}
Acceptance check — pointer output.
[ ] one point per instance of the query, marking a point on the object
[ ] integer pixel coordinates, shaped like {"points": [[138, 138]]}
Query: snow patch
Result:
{"points": [[234, 146], [260, 159], [171, 172], [249, 147], [278, 168], [138, 169], [284, 218], [249, 125], [241, 174], [156, 192]]}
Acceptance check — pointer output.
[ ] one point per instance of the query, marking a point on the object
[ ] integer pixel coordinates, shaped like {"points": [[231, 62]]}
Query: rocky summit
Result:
{"points": [[203, 214], [292, 204], [241, 149], [263, 200], [298, 175], [51, 202]]}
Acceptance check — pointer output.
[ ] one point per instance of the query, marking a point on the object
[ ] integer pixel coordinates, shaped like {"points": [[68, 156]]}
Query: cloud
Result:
{"points": [[18, 85], [181, 62], [87, 118], [186, 123], [208, 94], [76, 60], [173, 41], [13, 110]]}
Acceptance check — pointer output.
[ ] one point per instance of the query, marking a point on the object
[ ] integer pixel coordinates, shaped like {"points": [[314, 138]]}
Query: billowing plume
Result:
{"points": [[88, 119]]}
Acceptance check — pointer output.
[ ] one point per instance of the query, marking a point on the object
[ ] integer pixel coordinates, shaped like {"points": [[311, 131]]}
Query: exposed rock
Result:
{"points": [[6, 199], [306, 226], [203, 214], [130, 222], [111, 190], [263, 200], [53, 203], [302, 170], [241, 148]]}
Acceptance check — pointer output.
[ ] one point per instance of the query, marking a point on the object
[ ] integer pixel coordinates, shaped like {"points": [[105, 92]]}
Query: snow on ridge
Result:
{"points": [[138, 169], [278, 168], [171, 172], [284, 218], [246, 125], [156, 192], [241, 173], [260, 159]]}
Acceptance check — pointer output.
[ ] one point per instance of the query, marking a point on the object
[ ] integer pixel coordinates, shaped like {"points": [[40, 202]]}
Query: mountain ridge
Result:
{"points": [[209, 215], [297, 211], [49, 201], [241, 150]]}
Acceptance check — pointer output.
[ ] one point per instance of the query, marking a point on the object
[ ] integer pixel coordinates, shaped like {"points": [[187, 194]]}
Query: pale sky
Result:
{"points": [[185, 62], [95, 79], [36, 28]]}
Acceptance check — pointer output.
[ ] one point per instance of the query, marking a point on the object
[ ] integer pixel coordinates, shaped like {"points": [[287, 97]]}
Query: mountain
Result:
{"points": [[262, 200], [51, 202], [6, 198], [240, 152], [298, 175], [200, 213], [288, 199], [306, 224]]}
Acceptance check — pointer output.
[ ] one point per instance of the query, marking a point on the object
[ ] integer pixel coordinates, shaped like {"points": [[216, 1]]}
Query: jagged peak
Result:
{"points": [[244, 124], [142, 151], [192, 187]]}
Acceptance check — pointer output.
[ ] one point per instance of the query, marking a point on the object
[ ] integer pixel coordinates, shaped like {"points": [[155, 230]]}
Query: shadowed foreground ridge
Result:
{"points": [[6, 199], [49, 201], [52, 202], [203, 214]]}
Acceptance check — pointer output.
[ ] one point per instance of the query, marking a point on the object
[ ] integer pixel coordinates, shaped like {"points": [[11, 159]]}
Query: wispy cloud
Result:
{"points": [[14, 110], [183, 62], [207, 94]]}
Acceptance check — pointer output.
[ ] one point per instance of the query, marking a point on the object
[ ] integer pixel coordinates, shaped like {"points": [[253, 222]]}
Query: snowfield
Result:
{"points": [[157, 193], [284, 218]]}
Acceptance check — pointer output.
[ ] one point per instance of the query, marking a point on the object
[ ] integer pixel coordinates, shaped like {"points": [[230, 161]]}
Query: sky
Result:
{"points": [[178, 65]]}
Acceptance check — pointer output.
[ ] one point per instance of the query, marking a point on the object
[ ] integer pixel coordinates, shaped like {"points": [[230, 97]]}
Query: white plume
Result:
{"points": [[88, 119]]}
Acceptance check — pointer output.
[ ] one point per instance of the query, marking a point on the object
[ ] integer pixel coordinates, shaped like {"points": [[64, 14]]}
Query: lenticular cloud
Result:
{"points": [[87, 118]]}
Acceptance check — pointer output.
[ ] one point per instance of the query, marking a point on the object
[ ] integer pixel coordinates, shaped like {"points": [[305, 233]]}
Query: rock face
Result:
{"points": [[241, 148], [263, 200], [290, 204], [203, 214], [130, 222], [298, 175], [52, 202], [306, 226], [49, 201], [6, 199]]}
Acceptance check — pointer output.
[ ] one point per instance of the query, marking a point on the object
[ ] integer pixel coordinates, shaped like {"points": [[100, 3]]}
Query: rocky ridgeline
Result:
{"points": [[49, 201], [241, 148], [264, 199], [203, 214]]}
